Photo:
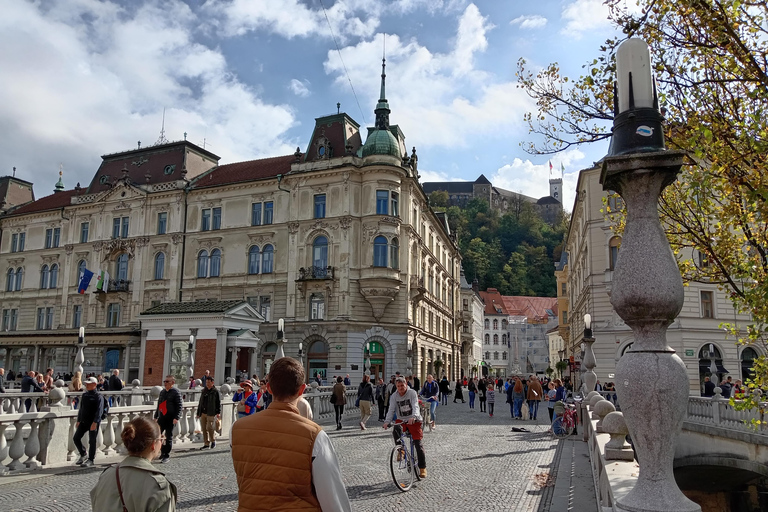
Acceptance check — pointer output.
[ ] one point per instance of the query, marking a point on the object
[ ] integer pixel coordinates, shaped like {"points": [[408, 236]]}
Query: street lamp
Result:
{"points": [[80, 357], [280, 339], [367, 360], [588, 356], [190, 360]]}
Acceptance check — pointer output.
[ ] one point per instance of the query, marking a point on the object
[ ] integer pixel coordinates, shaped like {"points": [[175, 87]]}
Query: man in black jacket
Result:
{"points": [[115, 384], [2, 380], [88, 420], [30, 385], [168, 414], [208, 409]]}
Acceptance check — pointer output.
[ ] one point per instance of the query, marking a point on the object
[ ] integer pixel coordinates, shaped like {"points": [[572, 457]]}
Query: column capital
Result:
{"points": [[193, 332]]}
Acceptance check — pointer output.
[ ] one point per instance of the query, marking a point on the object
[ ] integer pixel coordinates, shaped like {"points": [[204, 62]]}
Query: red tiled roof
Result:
{"points": [[150, 160], [535, 308], [492, 298], [51, 202], [245, 171]]}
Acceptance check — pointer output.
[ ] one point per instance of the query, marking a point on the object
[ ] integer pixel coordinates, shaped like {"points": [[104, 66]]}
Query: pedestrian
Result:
{"points": [[445, 390], [405, 405], [114, 384], [76, 388], [482, 389], [168, 414], [284, 461], [459, 392], [709, 387], [491, 397], [192, 384], [266, 396], [725, 386], [347, 382], [550, 398], [101, 383], [500, 385], [472, 387], [246, 399], [416, 382], [209, 410], [381, 398], [535, 394], [339, 399], [135, 484], [48, 380], [430, 391], [517, 395], [365, 397], [2, 380], [29, 385], [391, 388], [88, 420]]}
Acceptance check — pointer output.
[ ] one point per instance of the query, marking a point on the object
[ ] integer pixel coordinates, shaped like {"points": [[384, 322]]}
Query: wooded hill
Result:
{"points": [[514, 252]]}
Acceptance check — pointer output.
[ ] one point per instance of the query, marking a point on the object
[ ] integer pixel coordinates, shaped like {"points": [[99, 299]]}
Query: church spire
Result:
{"points": [[60, 184], [382, 107]]}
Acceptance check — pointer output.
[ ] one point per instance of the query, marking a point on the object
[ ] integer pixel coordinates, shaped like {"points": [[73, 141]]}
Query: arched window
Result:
{"points": [[10, 280], [487, 339], [495, 356], [503, 339], [613, 255], [487, 324], [122, 267], [320, 253], [254, 258], [44, 276], [215, 263], [54, 276], [159, 265], [380, 251], [19, 277], [495, 325], [504, 324], [504, 356], [487, 356], [267, 259], [202, 264], [80, 270], [394, 253], [748, 356], [495, 339]]}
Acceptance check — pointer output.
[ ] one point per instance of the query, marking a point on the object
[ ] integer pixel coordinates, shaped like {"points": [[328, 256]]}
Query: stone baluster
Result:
{"points": [[617, 448], [71, 450], [109, 436], [182, 426], [16, 450], [602, 409], [33, 405], [99, 437], [119, 446], [3, 448], [176, 433], [715, 400], [13, 406], [191, 422], [32, 446]]}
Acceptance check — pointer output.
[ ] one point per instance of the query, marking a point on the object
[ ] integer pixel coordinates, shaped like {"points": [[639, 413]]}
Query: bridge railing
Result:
{"points": [[718, 411]]}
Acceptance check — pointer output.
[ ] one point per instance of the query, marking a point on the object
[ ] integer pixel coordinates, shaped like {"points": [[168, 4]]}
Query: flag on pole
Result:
{"points": [[550, 167], [102, 282], [562, 169], [85, 280]]}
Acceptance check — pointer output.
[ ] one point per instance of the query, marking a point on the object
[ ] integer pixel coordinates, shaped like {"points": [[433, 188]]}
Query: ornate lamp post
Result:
{"points": [[80, 357], [190, 359], [367, 360], [651, 382], [280, 339], [588, 356]]}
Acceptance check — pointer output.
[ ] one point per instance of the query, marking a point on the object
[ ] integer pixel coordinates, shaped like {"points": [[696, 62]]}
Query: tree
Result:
{"points": [[712, 74], [438, 199]]}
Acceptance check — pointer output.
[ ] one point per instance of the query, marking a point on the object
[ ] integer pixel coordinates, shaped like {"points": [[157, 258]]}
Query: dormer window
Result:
{"points": [[324, 149]]}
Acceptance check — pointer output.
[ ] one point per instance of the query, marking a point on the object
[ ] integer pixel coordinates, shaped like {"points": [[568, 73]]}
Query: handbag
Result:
{"points": [[241, 406], [217, 425], [333, 398], [119, 487], [357, 402]]}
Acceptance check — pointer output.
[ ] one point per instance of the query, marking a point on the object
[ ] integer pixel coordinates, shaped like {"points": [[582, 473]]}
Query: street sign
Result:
{"points": [[689, 352]]}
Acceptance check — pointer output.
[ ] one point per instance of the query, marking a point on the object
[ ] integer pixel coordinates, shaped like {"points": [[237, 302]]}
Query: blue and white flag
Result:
{"points": [[85, 280]]}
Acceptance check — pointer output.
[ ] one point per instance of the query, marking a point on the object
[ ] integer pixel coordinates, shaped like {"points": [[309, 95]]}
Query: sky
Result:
{"points": [[247, 78]]}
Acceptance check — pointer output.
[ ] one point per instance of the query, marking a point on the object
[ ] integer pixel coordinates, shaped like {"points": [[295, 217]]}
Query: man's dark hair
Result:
{"points": [[286, 375]]}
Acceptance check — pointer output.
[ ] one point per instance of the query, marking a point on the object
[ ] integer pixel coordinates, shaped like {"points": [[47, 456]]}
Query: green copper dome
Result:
{"points": [[381, 142]]}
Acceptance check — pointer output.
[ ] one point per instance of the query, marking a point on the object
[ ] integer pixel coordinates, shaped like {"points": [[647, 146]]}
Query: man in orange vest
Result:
{"points": [[283, 461]]}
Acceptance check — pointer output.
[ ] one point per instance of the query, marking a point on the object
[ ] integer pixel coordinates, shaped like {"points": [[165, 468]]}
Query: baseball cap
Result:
{"points": [[91, 380]]}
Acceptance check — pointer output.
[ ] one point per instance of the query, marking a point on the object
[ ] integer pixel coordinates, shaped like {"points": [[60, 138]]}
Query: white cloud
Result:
{"points": [[101, 79], [299, 87], [533, 179], [438, 99], [529, 22], [427, 176], [584, 16]]}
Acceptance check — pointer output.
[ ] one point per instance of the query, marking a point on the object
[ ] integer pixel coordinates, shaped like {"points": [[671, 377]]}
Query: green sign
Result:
{"points": [[339, 347], [689, 352]]}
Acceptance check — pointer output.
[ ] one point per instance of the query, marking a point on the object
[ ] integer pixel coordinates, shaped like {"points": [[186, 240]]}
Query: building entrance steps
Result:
{"points": [[574, 484]]}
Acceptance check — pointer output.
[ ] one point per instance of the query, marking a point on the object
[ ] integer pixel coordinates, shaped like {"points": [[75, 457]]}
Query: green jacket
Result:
{"points": [[145, 488]]}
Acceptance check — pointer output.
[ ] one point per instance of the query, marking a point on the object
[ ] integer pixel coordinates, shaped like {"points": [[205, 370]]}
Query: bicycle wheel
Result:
{"points": [[401, 465], [560, 428]]}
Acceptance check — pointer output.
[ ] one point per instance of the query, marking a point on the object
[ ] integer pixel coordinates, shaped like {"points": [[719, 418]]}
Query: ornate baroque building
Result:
{"points": [[337, 239]]}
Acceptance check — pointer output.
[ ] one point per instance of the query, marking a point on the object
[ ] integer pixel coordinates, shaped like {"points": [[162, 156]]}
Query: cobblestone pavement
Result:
{"points": [[474, 463]]}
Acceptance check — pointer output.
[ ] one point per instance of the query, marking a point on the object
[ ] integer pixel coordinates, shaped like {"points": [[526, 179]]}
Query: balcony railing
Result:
{"points": [[314, 272], [119, 285]]}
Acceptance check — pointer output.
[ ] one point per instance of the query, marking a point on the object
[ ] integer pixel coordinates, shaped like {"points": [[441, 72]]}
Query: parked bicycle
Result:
{"points": [[403, 462], [565, 420]]}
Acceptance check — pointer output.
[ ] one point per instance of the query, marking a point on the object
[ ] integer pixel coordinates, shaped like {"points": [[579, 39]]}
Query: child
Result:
{"points": [[491, 399]]}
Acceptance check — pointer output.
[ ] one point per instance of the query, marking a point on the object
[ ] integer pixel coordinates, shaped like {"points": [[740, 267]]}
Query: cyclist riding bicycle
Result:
{"points": [[430, 391], [405, 403]]}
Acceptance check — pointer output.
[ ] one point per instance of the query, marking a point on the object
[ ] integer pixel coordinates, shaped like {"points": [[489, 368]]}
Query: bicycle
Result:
{"points": [[403, 463], [426, 413], [565, 420]]}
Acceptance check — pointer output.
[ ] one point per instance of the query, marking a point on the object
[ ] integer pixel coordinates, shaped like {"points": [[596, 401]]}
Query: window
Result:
{"points": [[320, 253], [465, 305], [563, 288], [14, 242], [48, 238], [205, 220], [487, 339], [56, 237], [703, 260], [45, 275], [382, 200], [255, 214], [320, 206], [487, 324], [154, 303], [54, 276], [393, 203], [44, 318], [707, 310], [215, 263], [77, 316], [503, 339], [495, 339], [267, 257], [217, 218], [565, 317], [317, 307], [10, 317], [122, 267], [495, 356], [495, 325], [202, 264], [10, 280], [113, 314], [159, 265], [120, 227], [124, 231], [504, 356], [84, 227], [394, 253], [613, 256], [380, 251], [266, 308], [162, 223], [268, 212], [80, 270], [254, 258], [52, 237], [210, 219], [19, 276], [504, 324], [487, 356]]}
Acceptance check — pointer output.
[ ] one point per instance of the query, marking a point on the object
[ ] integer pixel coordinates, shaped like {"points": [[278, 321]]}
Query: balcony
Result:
{"points": [[313, 272], [119, 285]]}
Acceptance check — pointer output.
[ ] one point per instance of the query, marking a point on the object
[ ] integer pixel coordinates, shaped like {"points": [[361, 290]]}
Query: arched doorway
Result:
{"points": [[709, 355], [377, 358], [317, 361], [748, 356], [267, 358]]}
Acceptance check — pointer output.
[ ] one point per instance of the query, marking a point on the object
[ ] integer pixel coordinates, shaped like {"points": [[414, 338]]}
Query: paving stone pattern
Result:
{"points": [[474, 463]]}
